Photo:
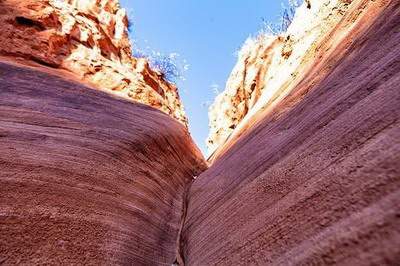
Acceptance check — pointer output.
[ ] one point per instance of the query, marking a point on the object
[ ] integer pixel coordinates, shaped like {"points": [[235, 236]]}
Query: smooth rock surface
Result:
{"points": [[85, 177], [314, 177]]}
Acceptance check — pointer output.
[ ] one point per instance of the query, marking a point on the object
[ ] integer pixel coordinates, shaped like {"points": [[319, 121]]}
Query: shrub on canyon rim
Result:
{"points": [[285, 20], [270, 29], [170, 66]]}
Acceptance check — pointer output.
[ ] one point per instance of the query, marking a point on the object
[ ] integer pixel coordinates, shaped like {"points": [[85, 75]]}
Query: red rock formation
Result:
{"points": [[310, 172], [313, 178], [267, 63], [87, 178], [88, 38]]}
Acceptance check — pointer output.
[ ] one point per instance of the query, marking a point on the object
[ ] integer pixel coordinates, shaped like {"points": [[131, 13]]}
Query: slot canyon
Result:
{"points": [[98, 167]]}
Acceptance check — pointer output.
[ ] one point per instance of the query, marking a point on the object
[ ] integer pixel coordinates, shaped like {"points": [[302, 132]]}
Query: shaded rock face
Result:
{"points": [[267, 63], [87, 178], [314, 177], [88, 38]]}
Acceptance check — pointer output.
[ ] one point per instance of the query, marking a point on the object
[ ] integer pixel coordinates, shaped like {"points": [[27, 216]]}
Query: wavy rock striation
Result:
{"points": [[268, 63], [307, 163], [90, 39], [312, 177], [87, 178]]}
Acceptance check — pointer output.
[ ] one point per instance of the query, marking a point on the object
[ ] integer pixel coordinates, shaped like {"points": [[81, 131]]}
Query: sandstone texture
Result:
{"points": [[313, 176], [306, 142], [88, 38], [87, 178], [268, 63]]}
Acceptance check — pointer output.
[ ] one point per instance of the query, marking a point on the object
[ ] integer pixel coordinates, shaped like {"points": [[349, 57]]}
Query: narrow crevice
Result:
{"points": [[180, 257], [27, 22]]}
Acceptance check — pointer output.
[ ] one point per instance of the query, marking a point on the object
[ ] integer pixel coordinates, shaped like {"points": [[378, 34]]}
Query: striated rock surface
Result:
{"points": [[267, 63], [312, 177], [307, 163], [86, 177], [88, 38]]}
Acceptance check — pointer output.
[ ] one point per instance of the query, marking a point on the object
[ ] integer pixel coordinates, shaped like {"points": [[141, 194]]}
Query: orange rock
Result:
{"points": [[266, 64], [90, 39], [313, 178]]}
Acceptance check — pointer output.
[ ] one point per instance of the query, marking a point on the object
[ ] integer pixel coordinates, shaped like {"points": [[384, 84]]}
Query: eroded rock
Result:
{"points": [[90, 39], [87, 178], [266, 64], [313, 177]]}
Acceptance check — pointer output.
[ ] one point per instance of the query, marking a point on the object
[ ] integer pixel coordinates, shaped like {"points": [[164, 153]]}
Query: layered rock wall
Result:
{"points": [[307, 174], [314, 177], [267, 63], [87, 178], [90, 39]]}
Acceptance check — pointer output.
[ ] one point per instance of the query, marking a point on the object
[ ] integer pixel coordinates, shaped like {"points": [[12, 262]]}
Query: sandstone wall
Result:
{"points": [[268, 63], [86, 177], [306, 169], [314, 177], [88, 38]]}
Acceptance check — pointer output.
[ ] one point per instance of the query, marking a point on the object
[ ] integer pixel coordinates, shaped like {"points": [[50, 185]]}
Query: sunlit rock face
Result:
{"points": [[90, 39], [312, 176], [266, 64], [307, 166]]}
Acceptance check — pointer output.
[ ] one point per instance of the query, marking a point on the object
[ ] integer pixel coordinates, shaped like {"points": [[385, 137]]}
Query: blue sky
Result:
{"points": [[206, 33]]}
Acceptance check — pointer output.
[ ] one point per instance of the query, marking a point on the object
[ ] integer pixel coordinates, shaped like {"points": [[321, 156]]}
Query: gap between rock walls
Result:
{"points": [[180, 257]]}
